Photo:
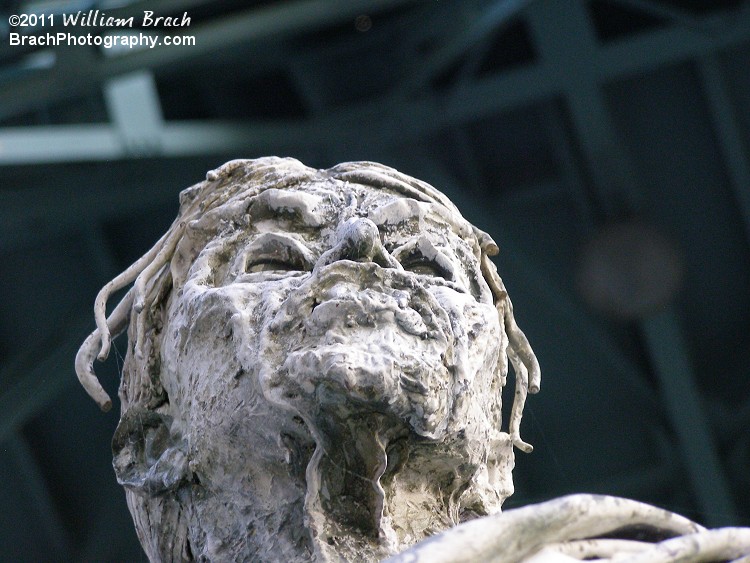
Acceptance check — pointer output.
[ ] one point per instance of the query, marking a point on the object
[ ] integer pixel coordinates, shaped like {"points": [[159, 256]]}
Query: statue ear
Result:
{"points": [[148, 457]]}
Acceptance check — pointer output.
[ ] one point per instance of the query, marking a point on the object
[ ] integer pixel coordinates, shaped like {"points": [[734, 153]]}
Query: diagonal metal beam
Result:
{"points": [[566, 42], [484, 19], [387, 123], [34, 389], [30, 393], [525, 86], [728, 133], [682, 400], [25, 216], [569, 57], [40, 495], [575, 184]]}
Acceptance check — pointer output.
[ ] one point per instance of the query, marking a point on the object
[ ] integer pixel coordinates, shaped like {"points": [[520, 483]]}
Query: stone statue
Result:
{"points": [[314, 373]]}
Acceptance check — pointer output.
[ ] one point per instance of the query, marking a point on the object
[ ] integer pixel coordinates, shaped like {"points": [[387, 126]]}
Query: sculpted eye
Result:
{"points": [[420, 256], [269, 265], [273, 252], [423, 266]]}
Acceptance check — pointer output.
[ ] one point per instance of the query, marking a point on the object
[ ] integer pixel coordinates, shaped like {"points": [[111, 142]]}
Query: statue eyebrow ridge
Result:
{"points": [[275, 202]]}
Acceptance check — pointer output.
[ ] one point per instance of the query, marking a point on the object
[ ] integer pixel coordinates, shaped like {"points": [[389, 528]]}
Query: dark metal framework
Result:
{"points": [[446, 87]]}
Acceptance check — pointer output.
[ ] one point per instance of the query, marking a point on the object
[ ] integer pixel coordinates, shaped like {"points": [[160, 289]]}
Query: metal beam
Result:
{"points": [[648, 51], [386, 122], [665, 12], [33, 390], [34, 377], [566, 45], [566, 42], [728, 133], [473, 22], [25, 216], [575, 184], [62, 143], [134, 109], [39, 494], [71, 78], [90, 143], [682, 399]]}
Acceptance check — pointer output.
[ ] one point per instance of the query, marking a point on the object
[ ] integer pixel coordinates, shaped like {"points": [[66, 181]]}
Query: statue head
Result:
{"points": [[314, 368]]}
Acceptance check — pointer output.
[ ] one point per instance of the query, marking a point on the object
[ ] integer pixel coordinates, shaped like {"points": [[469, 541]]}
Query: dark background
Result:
{"points": [[604, 144]]}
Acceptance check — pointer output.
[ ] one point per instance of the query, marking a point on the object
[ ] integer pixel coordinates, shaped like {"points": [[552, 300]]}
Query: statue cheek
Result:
{"points": [[475, 326], [206, 323], [483, 334]]}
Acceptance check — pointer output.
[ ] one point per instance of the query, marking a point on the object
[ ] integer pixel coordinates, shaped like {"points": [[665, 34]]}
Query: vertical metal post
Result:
{"points": [[134, 108], [566, 41]]}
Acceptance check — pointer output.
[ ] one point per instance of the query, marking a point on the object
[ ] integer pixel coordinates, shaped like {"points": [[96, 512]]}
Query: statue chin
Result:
{"points": [[368, 367]]}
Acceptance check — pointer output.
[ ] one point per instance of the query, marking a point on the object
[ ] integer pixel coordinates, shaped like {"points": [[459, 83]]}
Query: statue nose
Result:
{"points": [[358, 240]]}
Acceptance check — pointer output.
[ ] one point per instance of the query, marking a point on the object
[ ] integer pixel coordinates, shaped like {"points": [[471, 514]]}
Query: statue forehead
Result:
{"points": [[319, 202]]}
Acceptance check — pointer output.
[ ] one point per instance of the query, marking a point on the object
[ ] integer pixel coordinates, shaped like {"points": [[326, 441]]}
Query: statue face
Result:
{"points": [[312, 308]]}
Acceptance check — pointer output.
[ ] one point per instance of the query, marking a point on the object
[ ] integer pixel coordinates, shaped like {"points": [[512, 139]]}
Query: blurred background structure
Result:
{"points": [[605, 144]]}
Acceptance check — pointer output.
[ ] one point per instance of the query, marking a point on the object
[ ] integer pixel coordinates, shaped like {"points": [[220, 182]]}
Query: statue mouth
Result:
{"points": [[414, 385], [372, 339]]}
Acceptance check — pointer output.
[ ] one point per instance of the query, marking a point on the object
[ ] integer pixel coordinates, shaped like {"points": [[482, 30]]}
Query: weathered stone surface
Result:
{"points": [[315, 368], [314, 373]]}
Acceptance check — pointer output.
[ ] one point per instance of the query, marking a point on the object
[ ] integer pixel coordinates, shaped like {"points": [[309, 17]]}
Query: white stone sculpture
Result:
{"points": [[314, 373]]}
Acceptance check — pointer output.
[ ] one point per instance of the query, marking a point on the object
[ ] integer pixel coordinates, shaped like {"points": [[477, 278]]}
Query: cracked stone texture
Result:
{"points": [[314, 373], [314, 369]]}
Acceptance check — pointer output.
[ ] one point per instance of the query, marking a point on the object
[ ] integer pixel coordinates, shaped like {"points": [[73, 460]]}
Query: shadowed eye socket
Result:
{"points": [[422, 257], [273, 252], [424, 266], [269, 265]]}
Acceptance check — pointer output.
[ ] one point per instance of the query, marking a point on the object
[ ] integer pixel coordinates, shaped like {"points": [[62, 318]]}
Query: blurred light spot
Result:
{"points": [[363, 23], [629, 270]]}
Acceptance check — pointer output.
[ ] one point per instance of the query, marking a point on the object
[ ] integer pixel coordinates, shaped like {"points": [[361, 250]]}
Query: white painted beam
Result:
{"points": [[134, 109], [270, 23], [385, 121]]}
